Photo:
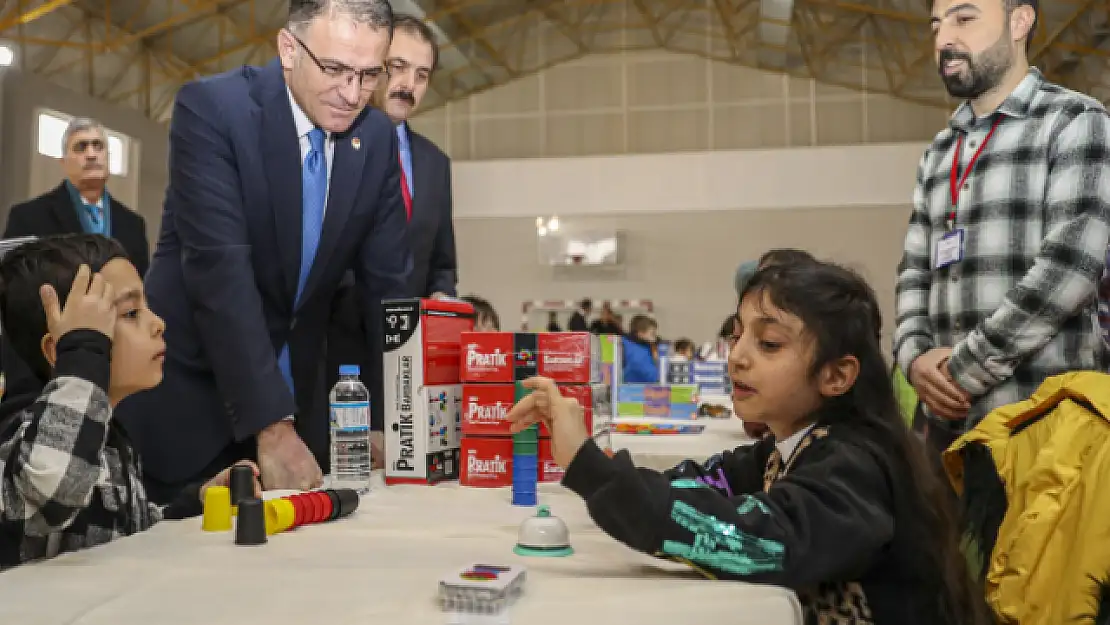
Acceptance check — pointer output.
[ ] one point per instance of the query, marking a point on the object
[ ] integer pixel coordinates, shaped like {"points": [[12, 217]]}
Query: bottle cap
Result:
{"points": [[349, 370], [217, 509], [279, 515], [250, 526], [348, 501], [242, 483]]}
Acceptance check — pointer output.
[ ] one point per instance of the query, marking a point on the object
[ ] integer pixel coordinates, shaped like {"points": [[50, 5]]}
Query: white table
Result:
{"points": [[661, 452], [381, 565]]}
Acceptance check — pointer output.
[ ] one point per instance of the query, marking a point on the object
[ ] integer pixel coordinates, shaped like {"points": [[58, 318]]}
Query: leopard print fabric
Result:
{"points": [[829, 604]]}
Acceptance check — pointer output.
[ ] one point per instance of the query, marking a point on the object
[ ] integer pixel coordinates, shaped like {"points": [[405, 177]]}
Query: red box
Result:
{"points": [[549, 471], [486, 406], [486, 462], [505, 357]]}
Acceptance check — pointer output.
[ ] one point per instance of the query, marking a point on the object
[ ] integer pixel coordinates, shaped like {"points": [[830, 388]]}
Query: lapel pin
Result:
{"points": [[355, 143]]}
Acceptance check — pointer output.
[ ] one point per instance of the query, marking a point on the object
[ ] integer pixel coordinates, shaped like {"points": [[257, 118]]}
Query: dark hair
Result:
{"points": [[1008, 7], [586, 304], [785, 256], [51, 260], [683, 344], [728, 328], [416, 27], [840, 314], [483, 310], [376, 13], [641, 323]]}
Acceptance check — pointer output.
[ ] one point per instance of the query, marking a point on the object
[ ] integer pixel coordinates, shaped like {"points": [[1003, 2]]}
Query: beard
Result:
{"points": [[983, 71]]}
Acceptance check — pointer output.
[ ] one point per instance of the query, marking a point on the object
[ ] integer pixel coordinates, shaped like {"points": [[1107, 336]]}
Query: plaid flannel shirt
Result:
{"points": [[1021, 304], [68, 478]]}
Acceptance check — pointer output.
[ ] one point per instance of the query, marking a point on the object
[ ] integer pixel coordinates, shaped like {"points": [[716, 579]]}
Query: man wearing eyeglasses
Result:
{"points": [[281, 180], [426, 188]]}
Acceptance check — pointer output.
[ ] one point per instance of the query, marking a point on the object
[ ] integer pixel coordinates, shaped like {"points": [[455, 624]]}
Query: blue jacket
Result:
{"points": [[640, 366]]}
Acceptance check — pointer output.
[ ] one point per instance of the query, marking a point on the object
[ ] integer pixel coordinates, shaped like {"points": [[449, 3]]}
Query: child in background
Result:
{"points": [[641, 361], [683, 348], [485, 317], [841, 504], [70, 479]]}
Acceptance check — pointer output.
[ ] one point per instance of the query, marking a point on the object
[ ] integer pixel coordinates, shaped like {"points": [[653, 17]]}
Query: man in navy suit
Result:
{"points": [[281, 180]]}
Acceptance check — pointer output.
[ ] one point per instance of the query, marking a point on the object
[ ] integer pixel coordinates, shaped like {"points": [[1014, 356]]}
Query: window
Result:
{"points": [[52, 127]]}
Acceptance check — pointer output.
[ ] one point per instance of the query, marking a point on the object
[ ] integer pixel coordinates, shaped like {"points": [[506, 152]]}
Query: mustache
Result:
{"points": [[947, 55], [404, 95]]}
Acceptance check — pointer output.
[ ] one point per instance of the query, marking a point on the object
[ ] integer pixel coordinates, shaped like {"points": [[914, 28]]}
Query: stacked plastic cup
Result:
{"points": [[525, 466]]}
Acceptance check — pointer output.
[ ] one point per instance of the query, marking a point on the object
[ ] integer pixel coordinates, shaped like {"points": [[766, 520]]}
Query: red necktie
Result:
{"points": [[405, 189]]}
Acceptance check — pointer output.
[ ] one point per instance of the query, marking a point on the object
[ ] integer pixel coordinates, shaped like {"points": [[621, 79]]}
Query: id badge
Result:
{"points": [[950, 249]]}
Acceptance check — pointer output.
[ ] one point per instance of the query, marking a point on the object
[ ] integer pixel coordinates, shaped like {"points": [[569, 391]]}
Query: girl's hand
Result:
{"points": [[562, 416]]}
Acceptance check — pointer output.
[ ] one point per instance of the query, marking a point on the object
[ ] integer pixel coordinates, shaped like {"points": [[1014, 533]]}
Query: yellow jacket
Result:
{"points": [[1038, 473]]}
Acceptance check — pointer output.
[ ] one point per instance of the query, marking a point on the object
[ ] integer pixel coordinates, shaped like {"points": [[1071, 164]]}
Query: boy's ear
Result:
{"points": [[49, 349], [838, 376]]}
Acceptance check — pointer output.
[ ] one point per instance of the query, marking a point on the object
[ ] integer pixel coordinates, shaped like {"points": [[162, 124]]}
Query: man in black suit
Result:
{"points": [[81, 203], [426, 188]]}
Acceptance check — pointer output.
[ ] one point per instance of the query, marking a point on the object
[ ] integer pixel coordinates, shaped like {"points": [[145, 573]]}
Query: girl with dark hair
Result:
{"points": [[840, 504]]}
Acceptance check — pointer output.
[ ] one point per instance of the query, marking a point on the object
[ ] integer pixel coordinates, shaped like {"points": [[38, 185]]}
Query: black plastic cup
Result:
{"points": [[250, 523], [242, 483]]}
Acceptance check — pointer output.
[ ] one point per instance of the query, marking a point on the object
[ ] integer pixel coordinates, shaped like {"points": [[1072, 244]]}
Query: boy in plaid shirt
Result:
{"points": [[74, 309]]}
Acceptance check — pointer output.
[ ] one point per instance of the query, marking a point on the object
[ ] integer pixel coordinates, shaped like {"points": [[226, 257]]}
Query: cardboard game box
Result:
{"points": [[507, 357], [423, 396], [486, 406]]}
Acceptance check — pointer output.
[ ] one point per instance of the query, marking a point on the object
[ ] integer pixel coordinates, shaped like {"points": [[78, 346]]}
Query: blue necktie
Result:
{"points": [[314, 193]]}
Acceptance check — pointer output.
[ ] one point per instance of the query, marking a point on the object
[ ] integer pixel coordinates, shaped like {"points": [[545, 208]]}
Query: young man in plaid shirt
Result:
{"points": [[68, 476], [998, 284]]}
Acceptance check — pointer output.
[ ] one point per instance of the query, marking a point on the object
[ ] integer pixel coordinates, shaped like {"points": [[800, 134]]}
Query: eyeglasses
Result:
{"points": [[343, 75]]}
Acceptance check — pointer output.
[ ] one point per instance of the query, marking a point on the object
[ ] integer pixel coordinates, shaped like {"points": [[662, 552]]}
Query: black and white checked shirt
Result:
{"points": [[1022, 303], [68, 477]]}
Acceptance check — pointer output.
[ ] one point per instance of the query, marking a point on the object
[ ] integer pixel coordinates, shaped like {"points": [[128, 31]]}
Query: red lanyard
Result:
{"points": [[956, 181]]}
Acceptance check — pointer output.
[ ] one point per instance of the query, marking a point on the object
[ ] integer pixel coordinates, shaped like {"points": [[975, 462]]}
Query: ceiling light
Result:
{"points": [[553, 224], [542, 231]]}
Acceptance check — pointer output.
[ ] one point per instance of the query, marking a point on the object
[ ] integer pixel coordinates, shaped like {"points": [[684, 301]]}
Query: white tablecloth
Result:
{"points": [[661, 452], [381, 565]]}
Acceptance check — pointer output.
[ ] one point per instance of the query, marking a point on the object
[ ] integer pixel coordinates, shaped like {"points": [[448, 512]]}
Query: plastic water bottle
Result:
{"points": [[350, 431]]}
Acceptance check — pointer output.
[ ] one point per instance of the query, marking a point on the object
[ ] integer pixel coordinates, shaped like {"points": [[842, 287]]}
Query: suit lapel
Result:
{"points": [[64, 210], [281, 153], [343, 185]]}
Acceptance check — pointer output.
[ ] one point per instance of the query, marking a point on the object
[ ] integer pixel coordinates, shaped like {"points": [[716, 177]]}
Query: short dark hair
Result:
{"points": [[641, 323], [483, 310], [403, 22], [1009, 6], [785, 256], [376, 13], [681, 345], [586, 304], [50, 260]]}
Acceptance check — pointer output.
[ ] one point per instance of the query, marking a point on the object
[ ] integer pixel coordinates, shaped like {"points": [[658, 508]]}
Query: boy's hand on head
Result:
{"points": [[562, 416], [223, 478], [89, 306]]}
